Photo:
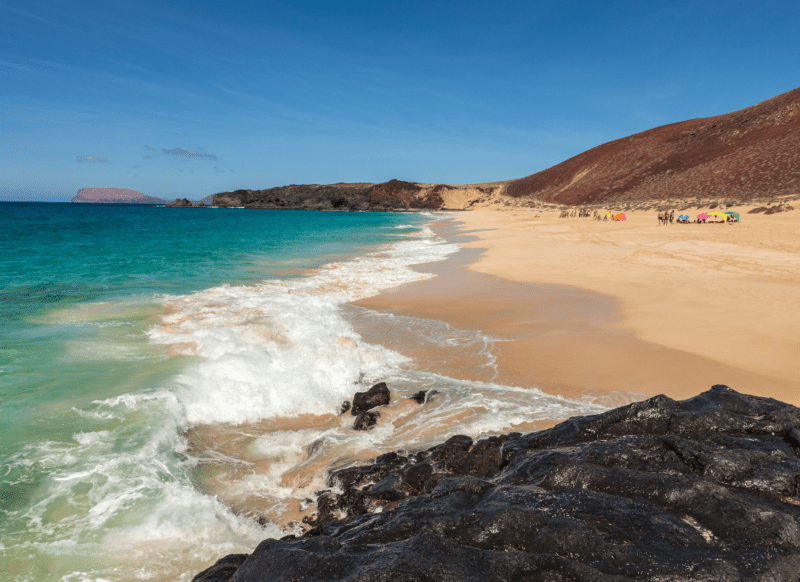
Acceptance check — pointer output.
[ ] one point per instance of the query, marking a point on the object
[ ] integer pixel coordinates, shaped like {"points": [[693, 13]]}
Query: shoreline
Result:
{"points": [[568, 323]]}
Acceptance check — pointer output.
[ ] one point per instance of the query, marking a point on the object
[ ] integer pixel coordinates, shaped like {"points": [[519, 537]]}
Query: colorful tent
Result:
{"points": [[620, 216], [735, 215], [718, 214], [703, 216]]}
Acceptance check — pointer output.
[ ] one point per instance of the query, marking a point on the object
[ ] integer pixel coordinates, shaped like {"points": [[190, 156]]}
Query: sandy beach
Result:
{"points": [[582, 307]]}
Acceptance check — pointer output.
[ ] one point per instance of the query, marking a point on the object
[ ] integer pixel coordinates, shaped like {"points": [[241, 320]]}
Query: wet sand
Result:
{"points": [[591, 308]]}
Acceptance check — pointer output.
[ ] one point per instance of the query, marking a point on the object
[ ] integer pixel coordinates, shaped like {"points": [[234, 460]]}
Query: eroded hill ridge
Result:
{"points": [[748, 155]]}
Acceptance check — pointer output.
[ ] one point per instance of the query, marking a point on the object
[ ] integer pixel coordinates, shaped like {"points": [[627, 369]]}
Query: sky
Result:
{"points": [[186, 99]]}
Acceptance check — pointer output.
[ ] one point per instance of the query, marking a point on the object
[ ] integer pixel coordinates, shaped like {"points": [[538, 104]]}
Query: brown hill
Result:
{"points": [[748, 154], [114, 196]]}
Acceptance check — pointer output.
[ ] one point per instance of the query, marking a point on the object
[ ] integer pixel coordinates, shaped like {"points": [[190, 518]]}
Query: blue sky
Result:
{"points": [[192, 98]]}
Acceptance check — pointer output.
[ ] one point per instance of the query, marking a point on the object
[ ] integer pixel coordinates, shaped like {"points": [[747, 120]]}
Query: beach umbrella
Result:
{"points": [[620, 216], [703, 216], [684, 217], [720, 214], [734, 214]]}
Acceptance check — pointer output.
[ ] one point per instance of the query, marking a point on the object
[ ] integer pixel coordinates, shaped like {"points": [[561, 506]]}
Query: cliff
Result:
{"points": [[114, 196], [748, 154]]}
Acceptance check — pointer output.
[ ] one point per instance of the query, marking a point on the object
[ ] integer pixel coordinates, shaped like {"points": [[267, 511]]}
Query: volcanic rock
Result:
{"points": [[423, 396], [181, 202], [702, 489], [378, 395], [222, 570], [389, 196], [366, 420]]}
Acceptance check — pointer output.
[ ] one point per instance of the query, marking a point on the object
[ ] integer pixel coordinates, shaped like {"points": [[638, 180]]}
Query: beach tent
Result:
{"points": [[620, 216], [735, 215]]}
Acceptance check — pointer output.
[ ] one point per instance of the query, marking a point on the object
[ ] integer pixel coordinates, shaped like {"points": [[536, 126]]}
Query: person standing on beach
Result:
{"points": [[671, 216]]}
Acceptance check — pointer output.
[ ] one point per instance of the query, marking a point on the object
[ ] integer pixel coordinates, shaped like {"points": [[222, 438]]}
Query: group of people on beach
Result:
{"points": [[580, 213], [584, 213], [666, 216], [600, 215]]}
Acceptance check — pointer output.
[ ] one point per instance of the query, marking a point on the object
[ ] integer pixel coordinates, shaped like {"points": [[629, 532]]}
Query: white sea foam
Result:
{"points": [[123, 489], [282, 348]]}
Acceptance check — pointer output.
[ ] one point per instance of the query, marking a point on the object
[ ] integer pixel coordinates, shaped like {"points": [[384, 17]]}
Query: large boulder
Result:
{"points": [[378, 395]]}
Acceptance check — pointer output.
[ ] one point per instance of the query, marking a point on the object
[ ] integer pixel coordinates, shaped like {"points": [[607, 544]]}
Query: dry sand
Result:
{"points": [[634, 307]]}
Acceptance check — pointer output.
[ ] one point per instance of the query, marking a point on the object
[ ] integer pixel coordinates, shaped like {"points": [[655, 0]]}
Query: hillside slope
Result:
{"points": [[748, 154]]}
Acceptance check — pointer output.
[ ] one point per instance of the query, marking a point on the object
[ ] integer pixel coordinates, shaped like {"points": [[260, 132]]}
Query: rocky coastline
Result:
{"points": [[706, 488], [394, 195]]}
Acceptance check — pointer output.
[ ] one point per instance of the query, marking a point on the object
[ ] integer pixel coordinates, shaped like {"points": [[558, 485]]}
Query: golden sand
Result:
{"points": [[634, 306]]}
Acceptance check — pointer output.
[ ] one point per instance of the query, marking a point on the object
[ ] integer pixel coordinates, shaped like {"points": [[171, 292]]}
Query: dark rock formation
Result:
{"points": [[378, 395], [423, 396], [702, 489], [389, 196], [222, 570], [366, 420], [751, 153], [181, 202]]}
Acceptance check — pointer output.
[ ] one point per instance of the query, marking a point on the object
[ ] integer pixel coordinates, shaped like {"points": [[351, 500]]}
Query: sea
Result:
{"points": [[171, 378]]}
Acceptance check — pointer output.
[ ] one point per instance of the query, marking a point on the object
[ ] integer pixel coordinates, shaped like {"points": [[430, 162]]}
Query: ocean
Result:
{"points": [[170, 378]]}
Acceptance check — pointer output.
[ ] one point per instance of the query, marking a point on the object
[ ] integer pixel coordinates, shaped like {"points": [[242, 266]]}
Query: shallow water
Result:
{"points": [[167, 376]]}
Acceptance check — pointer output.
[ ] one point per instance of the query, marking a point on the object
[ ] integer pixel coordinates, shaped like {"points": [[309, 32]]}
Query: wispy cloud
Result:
{"points": [[90, 160], [19, 12], [189, 153]]}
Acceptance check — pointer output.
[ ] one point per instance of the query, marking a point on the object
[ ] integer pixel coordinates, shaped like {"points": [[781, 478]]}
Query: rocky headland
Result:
{"points": [[700, 489], [394, 195]]}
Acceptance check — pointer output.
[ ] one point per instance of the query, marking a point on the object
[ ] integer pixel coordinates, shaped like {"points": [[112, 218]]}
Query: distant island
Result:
{"points": [[128, 196]]}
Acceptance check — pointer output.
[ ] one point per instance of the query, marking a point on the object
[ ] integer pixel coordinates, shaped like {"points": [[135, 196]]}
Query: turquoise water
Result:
{"points": [[170, 378], [80, 286]]}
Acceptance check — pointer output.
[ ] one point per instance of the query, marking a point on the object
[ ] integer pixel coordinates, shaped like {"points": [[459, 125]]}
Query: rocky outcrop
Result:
{"points": [[749, 154], [114, 196], [701, 489], [389, 196], [181, 203]]}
